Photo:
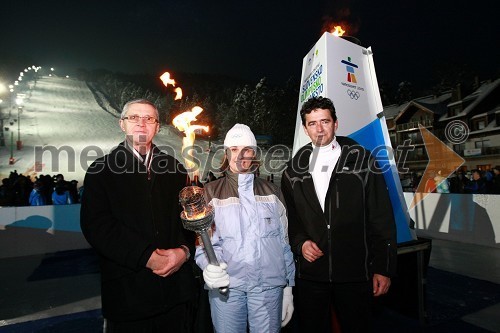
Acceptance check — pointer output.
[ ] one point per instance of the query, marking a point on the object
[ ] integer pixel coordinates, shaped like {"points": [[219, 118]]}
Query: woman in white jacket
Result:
{"points": [[250, 240]]}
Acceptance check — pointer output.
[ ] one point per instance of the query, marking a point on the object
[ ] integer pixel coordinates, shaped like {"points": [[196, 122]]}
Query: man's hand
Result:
{"points": [[381, 284], [166, 262], [311, 251]]}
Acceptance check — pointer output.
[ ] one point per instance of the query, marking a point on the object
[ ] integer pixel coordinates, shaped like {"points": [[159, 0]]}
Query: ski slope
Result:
{"points": [[63, 130]]}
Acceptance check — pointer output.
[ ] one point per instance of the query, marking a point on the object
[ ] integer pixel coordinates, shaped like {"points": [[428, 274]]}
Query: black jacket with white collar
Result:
{"points": [[356, 231]]}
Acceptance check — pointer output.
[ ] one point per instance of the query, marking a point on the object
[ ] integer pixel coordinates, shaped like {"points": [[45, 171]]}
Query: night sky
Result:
{"points": [[245, 39]]}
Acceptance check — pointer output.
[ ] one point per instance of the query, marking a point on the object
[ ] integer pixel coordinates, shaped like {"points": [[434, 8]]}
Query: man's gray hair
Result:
{"points": [[138, 101]]}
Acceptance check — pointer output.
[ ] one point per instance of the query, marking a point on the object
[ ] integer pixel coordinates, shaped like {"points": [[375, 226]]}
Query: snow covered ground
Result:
{"points": [[63, 130]]}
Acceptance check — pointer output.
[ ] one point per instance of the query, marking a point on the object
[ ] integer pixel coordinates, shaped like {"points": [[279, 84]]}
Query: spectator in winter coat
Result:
{"points": [[430, 184], [442, 184], [496, 180], [80, 193], [61, 195], [36, 197], [476, 185]]}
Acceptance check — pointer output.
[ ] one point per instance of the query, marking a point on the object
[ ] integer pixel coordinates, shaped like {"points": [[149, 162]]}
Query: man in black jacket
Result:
{"points": [[341, 225], [130, 214]]}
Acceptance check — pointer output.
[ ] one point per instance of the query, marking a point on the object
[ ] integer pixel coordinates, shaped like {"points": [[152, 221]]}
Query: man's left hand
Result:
{"points": [[168, 261], [381, 284]]}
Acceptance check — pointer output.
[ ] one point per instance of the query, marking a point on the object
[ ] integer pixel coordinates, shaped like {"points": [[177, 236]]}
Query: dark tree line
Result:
{"points": [[267, 109]]}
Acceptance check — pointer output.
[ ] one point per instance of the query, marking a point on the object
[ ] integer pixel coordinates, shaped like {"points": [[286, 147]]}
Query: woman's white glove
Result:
{"points": [[287, 311], [216, 276]]}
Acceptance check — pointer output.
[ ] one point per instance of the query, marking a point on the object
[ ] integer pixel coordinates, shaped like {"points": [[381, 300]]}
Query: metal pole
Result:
{"points": [[19, 143], [2, 134], [11, 159], [18, 125]]}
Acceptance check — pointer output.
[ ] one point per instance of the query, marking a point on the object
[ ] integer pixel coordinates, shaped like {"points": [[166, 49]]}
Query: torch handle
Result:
{"points": [[212, 258], [209, 249]]}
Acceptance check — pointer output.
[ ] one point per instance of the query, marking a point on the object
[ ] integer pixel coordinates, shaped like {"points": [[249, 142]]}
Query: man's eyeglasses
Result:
{"points": [[135, 119]]}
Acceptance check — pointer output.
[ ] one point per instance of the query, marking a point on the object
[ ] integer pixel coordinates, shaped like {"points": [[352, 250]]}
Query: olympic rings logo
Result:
{"points": [[353, 94]]}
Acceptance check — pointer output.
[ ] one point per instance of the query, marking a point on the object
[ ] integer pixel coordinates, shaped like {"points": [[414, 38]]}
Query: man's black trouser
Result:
{"points": [[352, 303]]}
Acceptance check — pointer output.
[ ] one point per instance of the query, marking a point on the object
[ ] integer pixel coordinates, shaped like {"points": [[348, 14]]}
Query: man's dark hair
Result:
{"points": [[317, 103]]}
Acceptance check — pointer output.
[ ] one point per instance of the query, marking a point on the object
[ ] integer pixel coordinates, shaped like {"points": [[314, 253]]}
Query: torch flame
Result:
{"points": [[183, 123], [165, 78], [338, 31], [197, 216], [178, 92]]}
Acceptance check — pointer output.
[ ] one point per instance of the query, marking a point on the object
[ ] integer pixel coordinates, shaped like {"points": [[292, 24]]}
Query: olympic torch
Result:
{"points": [[197, 216]]}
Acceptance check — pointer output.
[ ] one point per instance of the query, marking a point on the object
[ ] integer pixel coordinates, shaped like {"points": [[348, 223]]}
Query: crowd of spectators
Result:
{"points": [[483, 182], [475, 182], [472, 182], [21, 190]]}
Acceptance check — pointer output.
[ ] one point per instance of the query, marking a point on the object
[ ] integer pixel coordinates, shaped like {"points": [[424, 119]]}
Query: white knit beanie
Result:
{"points": [[240, 135]]}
